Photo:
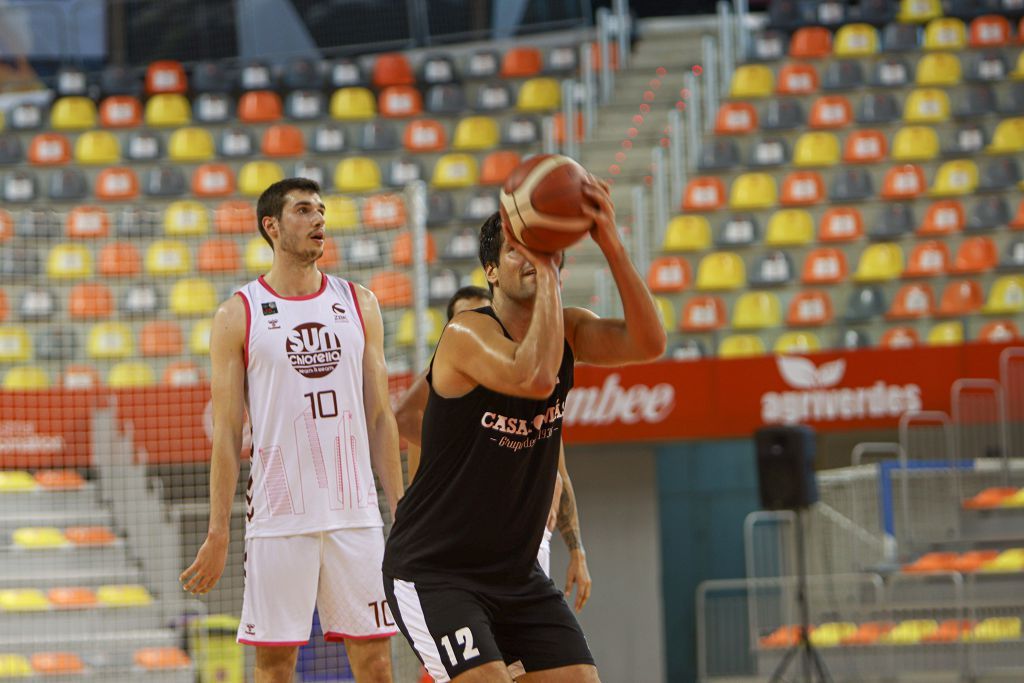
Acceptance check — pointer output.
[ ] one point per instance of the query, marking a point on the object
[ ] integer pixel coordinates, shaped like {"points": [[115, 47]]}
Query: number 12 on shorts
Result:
{"points": [[463, 637]]}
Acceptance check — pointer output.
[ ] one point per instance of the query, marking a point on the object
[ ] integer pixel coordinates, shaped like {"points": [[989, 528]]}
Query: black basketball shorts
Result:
{"points": [[454, 629]]}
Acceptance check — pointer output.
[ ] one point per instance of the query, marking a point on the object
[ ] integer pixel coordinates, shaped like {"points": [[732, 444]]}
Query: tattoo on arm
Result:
{"points": [[568, 520]]}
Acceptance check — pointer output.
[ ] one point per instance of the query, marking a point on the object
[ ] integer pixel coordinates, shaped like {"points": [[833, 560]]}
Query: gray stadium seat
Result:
{"points": [[1001, 173], [402, 171], [68, 185], [851, 184], [783, 114], [303, 74], [481, 64], [11, 151], [865, 303], [520, 130], [328, 138], [718, 154], [1013, 101], [213, 107], [561, 59], [19, 261], [988, 213], [143, 146], [211, 77], [463, 245], [480, 205], [37, 303], [986, 67], [139, 301], [738, 230], [120, 80], [437, 69], [897, 37], [311, 170], [492, 97], [688, 349], [769, 152], [345, 72], [772, 269], [877, 107], [1013, 256], [41, 224], [378, 136], [851, 340], [26, 116], [20, 187], [767, 46], [891, 72], [843, 75], [137, 222], [165, 181], [966, 139], [442, 285], [876, 11], [976, 100], [785, 14], [235, 142], [304, 105], [445, 98], [56, 343], [72, 81], [440, 208], [364, 252], [893, 221], [256, 75]]}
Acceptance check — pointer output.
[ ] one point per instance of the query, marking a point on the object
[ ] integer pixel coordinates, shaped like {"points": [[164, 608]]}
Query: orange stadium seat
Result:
{"points": [[841, 224], [831, 111], [999, 332], [117, 184], [392, 69], [735, 118], [797, 79], [400, 101], [811, 42], [71, 598], [331, 258], [865, 146], [899, 338], [5, 308], [259, 106], [48, 149], [802, 188], [120, 111], [166, 76], [384, 211], [704, 194], [401, 249], [961, 297], [703, 314], [497, 166], [904, 182], [283, 140], [89, 535], [868, 633], [6, 225], [161, 338], [119, 259], [80, 376], [392, 288], [824, 265], [90, 301], [668, 274], [990, 30], [183, 373], [57, 663], [782, 637], [989, 498], [161, 658], [219, 256], [932, 562], [235, 217], [928, 259], [213, 180], [976, 255], [912, 301], [943, 218], [809, 308], [424, 135], [521, 62], [87, 222], [63, 480]]}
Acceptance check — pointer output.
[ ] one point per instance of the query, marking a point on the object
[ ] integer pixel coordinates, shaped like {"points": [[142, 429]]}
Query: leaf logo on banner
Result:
{"points": [[801, 373]]}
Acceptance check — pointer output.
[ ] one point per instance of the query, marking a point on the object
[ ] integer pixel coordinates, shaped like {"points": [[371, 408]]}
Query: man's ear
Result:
{"points": [[271, 226], [491, 273]]}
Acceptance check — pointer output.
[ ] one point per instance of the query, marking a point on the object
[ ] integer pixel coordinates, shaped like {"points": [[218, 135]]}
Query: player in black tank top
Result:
{"points": [[460, 564]]}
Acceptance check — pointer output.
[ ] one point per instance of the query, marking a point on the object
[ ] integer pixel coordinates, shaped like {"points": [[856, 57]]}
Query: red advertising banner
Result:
{"points": [[666, 401]]}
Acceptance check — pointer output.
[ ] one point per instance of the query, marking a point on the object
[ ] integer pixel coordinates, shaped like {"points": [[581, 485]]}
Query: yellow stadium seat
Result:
{"points": [[915, 143], [539, 94], [721, 270], [190, 144], [131, 374], [882, 261], [193, 296], [454, 171], [687, 233], [38, 537], [476, 132], [357, 174], [790, 227], [797, 342], [753, 191], [1008, 137], [667, 313], [831, 634], [816, 149], [945, 33], [26, 378], [97, 147], [940, 69], [257, 176], [123, 596], [926, 105], [73, 113], [756, 311], [167, 257], [406, 333], [911, 632], [740, 346], [17, 481], [69, 261], [946, 333], [855, 40], [919, 11], [353, 104], [1015, 500], [340, 213], [110, 340], [258, 256], [954, 178], [1018, 70], [167, 109], [199, 339], [995, 629], [23, 600], [1011, 560], [752, 80], [15, 666], [1006, 295], [15, 344], [478, 278], [186, 218]]}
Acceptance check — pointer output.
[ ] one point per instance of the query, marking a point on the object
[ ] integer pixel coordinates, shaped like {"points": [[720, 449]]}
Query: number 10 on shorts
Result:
{"points": [[464, 638]]}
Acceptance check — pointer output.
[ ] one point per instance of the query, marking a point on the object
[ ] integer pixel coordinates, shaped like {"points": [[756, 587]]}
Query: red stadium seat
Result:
{"points": [[904, 182], [384, 211], [809, 308], [87, 222], [259, 106], [283, 140], [392, 288], [999, 332], [161, 338], [392, 69], [802, 188], [521, 62], [166, 76], [928, 259], [899, 338], [943, 217], [401, 249], [79, 376], [735, 118], [1017, 223], [704, 194], [990, 30], [824, 266], [497, 166], [425, 135], [120, 111], [117, 184], [797, 79], [841, 224], [400, 101], [911, 302], [559, 121], [703, 314], [831, 111], [120, 259], [976, 255], [213, 180], [669, 274], [183, 373], [235, 217], [811, 42], [49, 149], [219, 256], [961, 297], [331, 258], [90, 301], [865, 146]]}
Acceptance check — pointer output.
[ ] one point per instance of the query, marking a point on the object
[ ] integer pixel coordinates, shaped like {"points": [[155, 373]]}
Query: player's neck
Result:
{"points": [[294, 279], [514, 315]]}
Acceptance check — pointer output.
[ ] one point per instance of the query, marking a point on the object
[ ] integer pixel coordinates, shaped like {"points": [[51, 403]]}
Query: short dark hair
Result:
{"points": [[467, 292], [491, 237], [271, 202]]}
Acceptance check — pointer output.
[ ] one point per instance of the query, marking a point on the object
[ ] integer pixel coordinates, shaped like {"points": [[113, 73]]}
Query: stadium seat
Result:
{"points": [[341, 213], [235, 217], [809, 308], [255, 75], [37, 303], [167, 110], [769, 151], [11, 151], [831, 112], [879, 262], [166, 76], [961, 297], [302, 105], [666, 313], [703, 314], [945, 33], [926, 105], [851, 185], [481, 63], [856, 40], [20, 187], [131, 375], [493, 97], [123, 595], [841, 224], [912, 301], [283, 140], [782, 114], [165, 181], [946, 334], [183, 373], [1013, 256], [741, 346], [1005, 296], [810, 42], [718, 154], [400, 101], [802, 188], [865, 146], [975, 255], [1008, 137], [303, 73], [144, 146], [166, 257], [110, 340], [796, 342], [928, 259], [1017, 222], [797, 79], [816, 149], [73, 113], [943, 217], [753, 191], [256, 176], [57, 663], [903, 182], [475, 133], [384, 211], [989, 212], [68, 184], [161, 658], [357, 174], [704, 194], [462, 245], [756, 310], [824, 265], [199, 338], [401, 249], [995, 629], [668, 274], [687, 233], [987, 67], [919, 11], [998, 175], [79, 376], [721, 271], [190, 144], [497, 166], [437, 68], [353, 104], [186, 218], [24, 116], [893, 221], [140, 301], [790, 227], [260, 106], [454, 171], [424, 135], [90, 301], [538, 95], [402, 171], [752, 81], [193, 296], [15, 344], [259, 255], [87, 222], [392, 288], [735, 118], [15, 665], [48, 149], [989, 30], [406, 333], [974, 102], [999, 332], [344, 72], [915, 143], [117, 184], [899, 337], [97, 147], [768, 45], [876, 108], [17, 481], [521, 62], [69, 262], [842, 75], [738, 230], [447, 98], [235, 143], [213, 180], [392, 68], [213, 107], [955, 178]]}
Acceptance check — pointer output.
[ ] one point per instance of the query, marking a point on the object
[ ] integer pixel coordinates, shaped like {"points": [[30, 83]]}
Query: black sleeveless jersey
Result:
{"points": [[477, 508]]}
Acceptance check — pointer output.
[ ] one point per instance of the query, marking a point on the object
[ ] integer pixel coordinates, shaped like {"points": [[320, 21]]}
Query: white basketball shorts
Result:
{"points": [[544, 552], [336, 571]]}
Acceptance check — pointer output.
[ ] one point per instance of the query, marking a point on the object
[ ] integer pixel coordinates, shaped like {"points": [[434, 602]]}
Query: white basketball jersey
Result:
{"points": [[310, 454]]}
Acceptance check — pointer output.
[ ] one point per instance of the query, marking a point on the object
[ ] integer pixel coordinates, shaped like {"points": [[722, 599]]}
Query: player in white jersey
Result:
{"points": [[304, 352]]}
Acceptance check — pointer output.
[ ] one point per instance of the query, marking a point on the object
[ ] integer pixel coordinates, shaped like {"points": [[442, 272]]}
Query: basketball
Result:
{"points": [[542, 202]]}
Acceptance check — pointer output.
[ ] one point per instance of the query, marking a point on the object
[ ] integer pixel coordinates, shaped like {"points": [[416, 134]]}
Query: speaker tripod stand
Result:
{"points": [[812, 666]]}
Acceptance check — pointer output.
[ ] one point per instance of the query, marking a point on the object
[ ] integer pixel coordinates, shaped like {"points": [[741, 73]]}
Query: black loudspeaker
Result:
{"points": [[785, 467]]}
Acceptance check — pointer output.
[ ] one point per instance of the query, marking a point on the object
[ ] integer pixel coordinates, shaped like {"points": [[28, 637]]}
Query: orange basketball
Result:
{"points": [[542, 202]]}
